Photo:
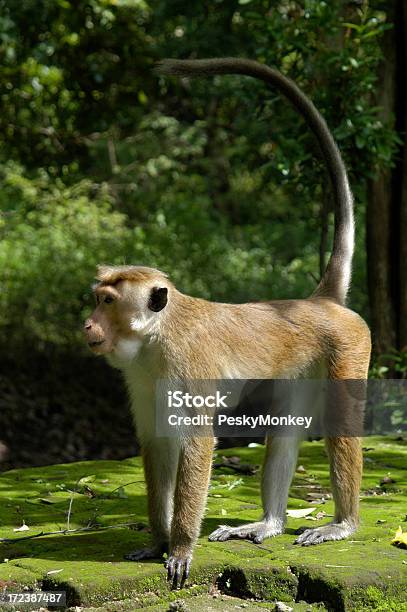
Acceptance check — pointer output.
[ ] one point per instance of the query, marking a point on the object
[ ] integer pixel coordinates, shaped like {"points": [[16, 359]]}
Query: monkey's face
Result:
{"points": [[125, 314]]}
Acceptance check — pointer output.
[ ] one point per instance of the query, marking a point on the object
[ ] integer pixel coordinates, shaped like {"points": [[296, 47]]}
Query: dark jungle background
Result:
{"points": [[218, 182]]}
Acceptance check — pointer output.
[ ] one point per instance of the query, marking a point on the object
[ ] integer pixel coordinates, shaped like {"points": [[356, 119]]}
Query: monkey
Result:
{"points": [[150, 330]]}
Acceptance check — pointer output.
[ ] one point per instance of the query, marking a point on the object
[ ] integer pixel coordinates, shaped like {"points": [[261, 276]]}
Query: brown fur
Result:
{"points": [[181, 337], [196, 339]]}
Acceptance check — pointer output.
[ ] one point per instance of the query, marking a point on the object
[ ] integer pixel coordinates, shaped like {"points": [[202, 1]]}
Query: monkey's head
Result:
{"points": [[130, 301]]}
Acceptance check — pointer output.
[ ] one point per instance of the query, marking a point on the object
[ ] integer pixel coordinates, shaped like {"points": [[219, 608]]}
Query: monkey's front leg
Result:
{"points": [[160, 458], [193, 476]]}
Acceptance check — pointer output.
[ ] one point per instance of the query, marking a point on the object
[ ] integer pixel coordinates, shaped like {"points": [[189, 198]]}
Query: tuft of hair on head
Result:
{"points": [[111, 275]]}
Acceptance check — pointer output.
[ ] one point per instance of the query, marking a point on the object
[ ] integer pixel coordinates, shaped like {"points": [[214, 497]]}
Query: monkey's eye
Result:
{"points": [[108, 300]]}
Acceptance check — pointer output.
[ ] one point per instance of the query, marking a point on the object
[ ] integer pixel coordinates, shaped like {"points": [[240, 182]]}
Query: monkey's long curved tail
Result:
{"points": [[336, 279]]}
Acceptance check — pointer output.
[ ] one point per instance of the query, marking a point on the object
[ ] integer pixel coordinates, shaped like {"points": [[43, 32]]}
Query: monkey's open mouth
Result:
{"points": [[92, 344]]}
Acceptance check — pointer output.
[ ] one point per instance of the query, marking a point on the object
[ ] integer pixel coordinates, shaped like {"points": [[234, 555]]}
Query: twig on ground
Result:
{"points": [[68, 518], [69, 531]]}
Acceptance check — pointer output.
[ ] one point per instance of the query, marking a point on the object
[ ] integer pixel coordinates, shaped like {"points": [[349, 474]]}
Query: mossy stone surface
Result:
{"points": [[364, 572]]}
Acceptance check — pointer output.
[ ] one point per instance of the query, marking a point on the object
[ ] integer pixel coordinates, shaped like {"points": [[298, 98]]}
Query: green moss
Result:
{"points": [[363, 572], [263, 581], [374, 598]]}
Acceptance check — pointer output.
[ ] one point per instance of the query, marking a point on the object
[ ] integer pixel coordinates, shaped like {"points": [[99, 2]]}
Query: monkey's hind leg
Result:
{"points": [[278, 470], [345, 453], [345, 456], [160, 460]]}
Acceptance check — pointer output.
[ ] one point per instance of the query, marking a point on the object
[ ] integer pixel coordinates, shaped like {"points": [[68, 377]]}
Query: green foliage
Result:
{"points": [[46, 261], [217, 182], [69, 67], [395, 362]]}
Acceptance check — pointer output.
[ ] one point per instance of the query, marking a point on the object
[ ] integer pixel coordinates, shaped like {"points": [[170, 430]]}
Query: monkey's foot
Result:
{"points": [[178, 566], [333, 531], [153, 552], [256, 532]]}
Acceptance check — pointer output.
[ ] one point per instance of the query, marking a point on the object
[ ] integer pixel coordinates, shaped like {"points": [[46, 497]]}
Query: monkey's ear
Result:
{"points": [[158, 299]]}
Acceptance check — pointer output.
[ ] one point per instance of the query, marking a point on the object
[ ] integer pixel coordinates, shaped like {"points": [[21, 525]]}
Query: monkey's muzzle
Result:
{"points": [[93, 344]]}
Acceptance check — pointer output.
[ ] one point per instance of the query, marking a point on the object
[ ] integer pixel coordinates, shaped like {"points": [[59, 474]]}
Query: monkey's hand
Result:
{"points": [[152, 552], [178, 565]]}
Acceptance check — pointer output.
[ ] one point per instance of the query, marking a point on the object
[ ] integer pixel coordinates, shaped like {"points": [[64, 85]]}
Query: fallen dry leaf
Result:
{"points": [[300, 512], [317, 495], [23, 527], [400, 538]]}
